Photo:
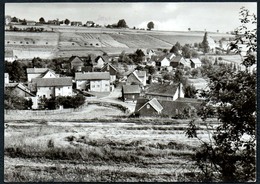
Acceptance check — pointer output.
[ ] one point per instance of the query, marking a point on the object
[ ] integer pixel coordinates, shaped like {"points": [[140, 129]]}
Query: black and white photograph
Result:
{"points": [[130, 92]]}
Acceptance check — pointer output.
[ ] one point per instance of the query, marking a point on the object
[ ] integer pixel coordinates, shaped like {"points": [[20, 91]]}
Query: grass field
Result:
{"points": [[92, 151], [67, 41]]}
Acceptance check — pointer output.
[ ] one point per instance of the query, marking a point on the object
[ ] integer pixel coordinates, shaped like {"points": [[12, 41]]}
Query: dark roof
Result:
{"points": [[53, 82], [20, 86], [130, 89], [176, 59], [75, 60], [169, 107], [162, 89], [153, 102], [93, 76], [158, 58], [108, 65]]}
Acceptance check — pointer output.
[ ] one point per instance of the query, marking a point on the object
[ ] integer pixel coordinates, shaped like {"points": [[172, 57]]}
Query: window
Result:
{"points": [[49, 88]]}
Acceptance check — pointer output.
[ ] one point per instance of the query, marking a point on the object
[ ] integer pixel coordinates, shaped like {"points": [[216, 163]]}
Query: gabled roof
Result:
{"points": [[20, 86], [136, 76], [44, 73], [108, 65], [53, 82], [75, 60], [158, 58], [170, 56], [162, 89], [104, 58], [154, 103], [195, 60], [140, 73], [130, 89], [177, 59], [92, 76]]}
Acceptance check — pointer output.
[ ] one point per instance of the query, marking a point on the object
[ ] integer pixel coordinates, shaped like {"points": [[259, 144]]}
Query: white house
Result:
{"points": [[52, 87], [195, 62], [6, 78], [93, 81], [40, 73]]}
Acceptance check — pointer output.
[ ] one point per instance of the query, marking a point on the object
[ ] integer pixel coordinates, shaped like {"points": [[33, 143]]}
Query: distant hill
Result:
{"points": [[66, 41]]}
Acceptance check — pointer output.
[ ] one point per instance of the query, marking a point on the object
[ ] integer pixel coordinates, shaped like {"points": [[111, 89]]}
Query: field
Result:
{"points": [[66, 41], [104, 150]]}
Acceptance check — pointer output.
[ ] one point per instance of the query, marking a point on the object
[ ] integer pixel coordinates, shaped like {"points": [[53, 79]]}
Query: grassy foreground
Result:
{"points": [[133, 150]]}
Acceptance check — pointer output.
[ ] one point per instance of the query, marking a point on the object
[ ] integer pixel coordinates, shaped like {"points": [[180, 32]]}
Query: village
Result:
{"points": [[94, 95], [161, 85]]}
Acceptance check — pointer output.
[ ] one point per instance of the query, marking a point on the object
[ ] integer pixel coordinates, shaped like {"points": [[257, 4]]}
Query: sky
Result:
{"points": [[166, 16]]}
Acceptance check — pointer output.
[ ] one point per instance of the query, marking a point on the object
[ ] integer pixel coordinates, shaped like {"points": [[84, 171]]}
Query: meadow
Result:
{"points": [[91, 150]]}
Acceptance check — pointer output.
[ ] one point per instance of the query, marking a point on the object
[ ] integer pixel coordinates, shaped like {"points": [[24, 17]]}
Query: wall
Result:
{"points": [[47, 91], [81, 84], [63, 91], [100, 86]]}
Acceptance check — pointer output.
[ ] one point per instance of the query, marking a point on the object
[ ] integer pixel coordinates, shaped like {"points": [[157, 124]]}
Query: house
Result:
{"points": [[9, 56], [165, 91], [76, 63], [187, 106], [30, 23], [148, 107], [130, 92], [20, 90], [170, 56], [93, 81], [40, 73], [161, 62], [76, 23], [6, 78], [53, 22], [195, 62], [90, 24], [137, 77], [52, 87], [112, 71], [100, 61], [179, 61], [8, 19]]}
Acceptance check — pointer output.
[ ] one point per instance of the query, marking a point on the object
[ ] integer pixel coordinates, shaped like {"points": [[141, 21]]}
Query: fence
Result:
{"points": [[41, 112]]}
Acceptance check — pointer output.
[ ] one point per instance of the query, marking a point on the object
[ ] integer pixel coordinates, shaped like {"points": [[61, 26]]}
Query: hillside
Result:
{"points": [[67, 41]]}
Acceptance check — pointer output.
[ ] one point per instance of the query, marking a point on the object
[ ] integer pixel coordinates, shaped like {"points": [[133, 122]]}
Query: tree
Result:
{"points": [[190, 91], [122, 24], [41, 20], [194, 72], [178, 45], [205, 43], [174, 50], [189, 29], [230, 155], [150, 25], [14, 19], [186, 52], [67, 21]]}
